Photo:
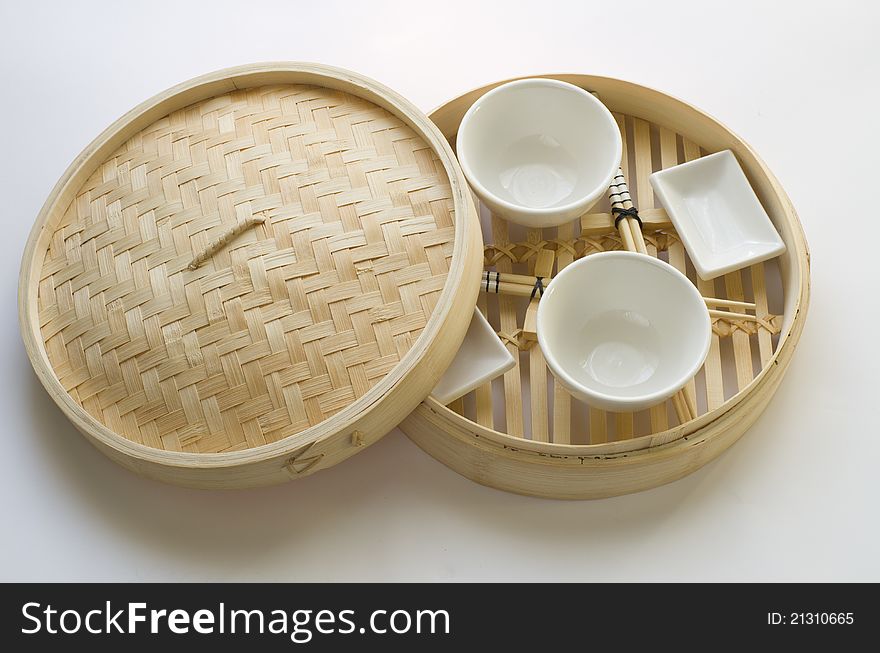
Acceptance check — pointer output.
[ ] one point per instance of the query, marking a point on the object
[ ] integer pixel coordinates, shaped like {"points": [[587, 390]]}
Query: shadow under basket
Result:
{"points": [[523, 433]]}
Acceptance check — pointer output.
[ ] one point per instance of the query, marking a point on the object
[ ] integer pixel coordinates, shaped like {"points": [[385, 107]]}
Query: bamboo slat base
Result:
{"points": [[567, 449]]}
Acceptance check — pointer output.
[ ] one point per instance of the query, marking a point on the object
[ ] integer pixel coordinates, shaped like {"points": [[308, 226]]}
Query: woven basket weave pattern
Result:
{"points": [[288, 322]]}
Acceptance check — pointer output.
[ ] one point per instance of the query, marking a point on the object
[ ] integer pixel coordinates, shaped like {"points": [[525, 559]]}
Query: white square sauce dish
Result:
{"points": [[481, 357], [717, 214]]}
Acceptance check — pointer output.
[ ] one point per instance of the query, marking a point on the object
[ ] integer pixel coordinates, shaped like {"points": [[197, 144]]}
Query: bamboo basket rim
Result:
{"points": [[666, 440], [184, 94]]}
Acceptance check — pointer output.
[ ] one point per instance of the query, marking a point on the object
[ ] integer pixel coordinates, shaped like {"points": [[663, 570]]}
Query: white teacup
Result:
{"points": [[539, 152], [623, 331]]}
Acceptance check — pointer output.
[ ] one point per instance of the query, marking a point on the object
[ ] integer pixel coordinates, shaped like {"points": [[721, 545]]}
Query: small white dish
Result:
{"points": [[717, 214], [623, 331], [481, 357], [539, 152]]}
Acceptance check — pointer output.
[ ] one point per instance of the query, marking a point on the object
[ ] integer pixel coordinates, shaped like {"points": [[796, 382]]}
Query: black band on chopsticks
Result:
{"points": [[631, 212], [538, 288], [488, 279]]}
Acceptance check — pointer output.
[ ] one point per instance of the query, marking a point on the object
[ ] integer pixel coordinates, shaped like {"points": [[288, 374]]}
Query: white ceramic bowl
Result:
{"points": [[623, 331], [539, 152]]}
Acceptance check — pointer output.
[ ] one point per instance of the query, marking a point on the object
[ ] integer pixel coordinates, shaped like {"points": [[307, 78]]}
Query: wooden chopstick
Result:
{"points": [[728, 303], [729, 315]]}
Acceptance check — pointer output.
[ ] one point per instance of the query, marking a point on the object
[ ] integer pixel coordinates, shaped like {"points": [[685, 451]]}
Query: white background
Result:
{"points": [[795, 499]]}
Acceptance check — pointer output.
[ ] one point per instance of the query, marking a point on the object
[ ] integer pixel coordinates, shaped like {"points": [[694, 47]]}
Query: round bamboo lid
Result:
{"points": [[252, 275]]}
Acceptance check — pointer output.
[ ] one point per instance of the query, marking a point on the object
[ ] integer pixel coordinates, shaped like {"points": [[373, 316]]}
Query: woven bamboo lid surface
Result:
{"points": [[252, 275]]}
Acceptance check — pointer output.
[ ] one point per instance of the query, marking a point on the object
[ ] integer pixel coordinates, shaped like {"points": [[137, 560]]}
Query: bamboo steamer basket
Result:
{"points": [[251, 276], [523, 433]]}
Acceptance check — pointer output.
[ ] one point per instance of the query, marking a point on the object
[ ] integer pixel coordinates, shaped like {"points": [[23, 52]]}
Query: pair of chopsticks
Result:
{"points": [[521, 285], [508, 283], [629, 225], [625, 215]]}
